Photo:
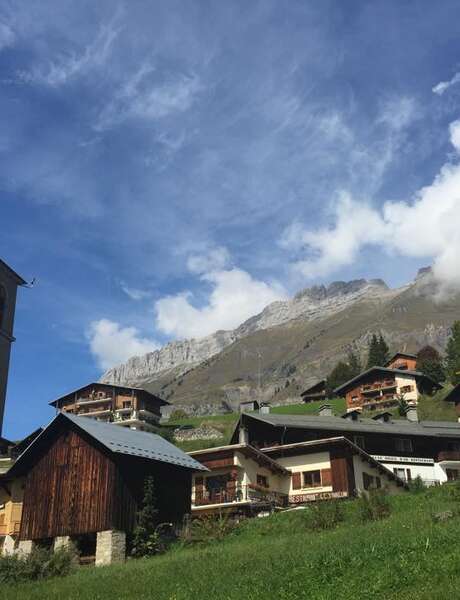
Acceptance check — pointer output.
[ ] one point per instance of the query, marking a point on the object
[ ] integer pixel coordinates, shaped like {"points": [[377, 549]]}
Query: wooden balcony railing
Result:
{"points": [[245, 493]]}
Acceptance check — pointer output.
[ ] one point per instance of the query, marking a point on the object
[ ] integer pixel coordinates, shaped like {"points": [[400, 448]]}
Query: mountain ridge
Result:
{"points": [[290, 344]]}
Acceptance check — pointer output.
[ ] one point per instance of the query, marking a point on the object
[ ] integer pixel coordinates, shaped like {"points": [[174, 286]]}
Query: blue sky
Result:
{"points": [[168, 168]]}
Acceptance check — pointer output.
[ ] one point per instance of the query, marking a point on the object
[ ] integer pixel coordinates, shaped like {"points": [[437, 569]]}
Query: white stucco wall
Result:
{"points": [[405, 380], [360, 467], [301, 463]]}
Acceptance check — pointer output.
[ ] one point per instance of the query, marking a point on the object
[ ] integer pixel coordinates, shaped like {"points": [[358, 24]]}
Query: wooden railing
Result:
{"points": [[244, 493]]}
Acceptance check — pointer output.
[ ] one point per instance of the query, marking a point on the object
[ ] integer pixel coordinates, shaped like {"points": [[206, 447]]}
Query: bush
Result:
{"points": [[208, 529], [39, 564], [178, 414], [325, 515], [374, 505], [417, 486]]}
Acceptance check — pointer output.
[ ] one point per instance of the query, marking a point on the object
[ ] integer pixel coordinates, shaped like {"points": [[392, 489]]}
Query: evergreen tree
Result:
{"points": [[453, 354], [378, 352], [340, 374], [373, 355], [429, 363], [146, 540], [384, 352], [354, 363]]}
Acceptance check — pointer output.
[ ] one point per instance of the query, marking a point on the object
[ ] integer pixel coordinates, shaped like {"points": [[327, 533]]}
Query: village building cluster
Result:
{"points": [[79, 481]]}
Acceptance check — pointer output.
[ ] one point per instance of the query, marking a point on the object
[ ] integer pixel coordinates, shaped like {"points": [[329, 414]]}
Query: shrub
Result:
{"points": [[325, 515], [374, 505], [147, 540], [178, 414], [39, 564], [208, 529], [417, 486]]}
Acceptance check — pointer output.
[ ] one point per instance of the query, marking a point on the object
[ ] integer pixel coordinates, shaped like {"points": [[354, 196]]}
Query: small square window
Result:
{"points": [[312, 479], [262, 480]]}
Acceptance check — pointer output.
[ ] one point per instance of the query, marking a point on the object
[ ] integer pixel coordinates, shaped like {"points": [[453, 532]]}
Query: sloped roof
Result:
{"points": [[396, 354], [439, 429], [417, 374], [112, 385], [121, 440], [454, 394], [319, 384], [18, 278]]}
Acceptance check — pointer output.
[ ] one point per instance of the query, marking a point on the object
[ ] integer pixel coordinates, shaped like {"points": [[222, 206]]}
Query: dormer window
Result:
{"points": [[2, 307]]}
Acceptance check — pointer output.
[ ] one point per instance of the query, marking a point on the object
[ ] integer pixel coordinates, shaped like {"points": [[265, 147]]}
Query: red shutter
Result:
{"points": [[296, 481], [326, 477]]}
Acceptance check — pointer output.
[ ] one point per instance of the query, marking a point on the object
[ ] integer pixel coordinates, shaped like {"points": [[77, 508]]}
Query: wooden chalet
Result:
{"points": [[125, 406], [83, 482], [381, 387], [408, 447], [315, 392], [245, 480], [454, 397], [403, 361]]}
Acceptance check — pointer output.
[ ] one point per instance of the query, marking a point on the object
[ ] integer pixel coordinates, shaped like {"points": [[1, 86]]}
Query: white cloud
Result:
{"points": [[235, 297], [144, 97], [7, 36], [443, 86], [427, 227], [112, 344], [134, 293], [64, 69]]}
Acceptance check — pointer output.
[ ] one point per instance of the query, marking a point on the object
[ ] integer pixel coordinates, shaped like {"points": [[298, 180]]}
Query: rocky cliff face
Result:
{"points": [[292, 344], [310, 304]]}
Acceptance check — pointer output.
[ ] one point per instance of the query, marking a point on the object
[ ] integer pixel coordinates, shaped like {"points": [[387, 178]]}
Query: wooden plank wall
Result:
{"points": [[343, 479], [70, 490]]}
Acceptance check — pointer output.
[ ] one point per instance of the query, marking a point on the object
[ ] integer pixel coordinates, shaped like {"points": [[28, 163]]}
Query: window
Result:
{"points": [[262, 480], [2, 306], [368, 481], [452, 474], [406, 389], [403, 445], [378, 482], [453, 446], [359, 441], [312, 479], [401, 473], [127, 404]]}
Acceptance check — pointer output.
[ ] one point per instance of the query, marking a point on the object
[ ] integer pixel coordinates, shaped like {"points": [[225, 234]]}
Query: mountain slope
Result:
{"points": [[289, 345]]}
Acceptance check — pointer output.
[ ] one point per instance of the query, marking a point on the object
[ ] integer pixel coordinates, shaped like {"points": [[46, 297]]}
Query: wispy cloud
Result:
{"points": [[134, 293], [68, 66], [147, 95], [443, 86], [7, 36]]}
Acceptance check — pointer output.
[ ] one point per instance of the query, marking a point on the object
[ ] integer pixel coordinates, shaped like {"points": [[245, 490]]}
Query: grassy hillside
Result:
{"points": [[408, 555]]}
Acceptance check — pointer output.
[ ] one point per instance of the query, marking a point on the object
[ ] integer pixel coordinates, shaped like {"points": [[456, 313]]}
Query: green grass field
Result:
{"points": [[405, 556]]}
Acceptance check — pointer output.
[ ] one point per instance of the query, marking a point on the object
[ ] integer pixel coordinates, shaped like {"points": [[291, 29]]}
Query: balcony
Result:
{"points": [[103, 412], [376, 388], [91, 401], [449, 456], [243, 494]]}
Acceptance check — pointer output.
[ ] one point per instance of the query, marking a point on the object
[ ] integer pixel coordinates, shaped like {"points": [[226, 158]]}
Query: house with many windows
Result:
{"points": [[246, 480], [382, 387], [124, 406], [409, 448]]}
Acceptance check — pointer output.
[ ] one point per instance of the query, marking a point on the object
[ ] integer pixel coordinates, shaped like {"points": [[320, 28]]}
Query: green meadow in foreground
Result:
{"points": [[408, 555]]}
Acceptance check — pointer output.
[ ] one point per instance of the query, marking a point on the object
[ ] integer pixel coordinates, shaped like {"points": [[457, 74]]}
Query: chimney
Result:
{"points": [[264, 408], [243, 436], [383, 417], [325, 410], [411, 413]]}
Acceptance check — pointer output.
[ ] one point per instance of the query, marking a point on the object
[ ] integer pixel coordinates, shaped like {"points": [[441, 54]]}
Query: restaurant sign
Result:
{"points": [[301, 498]]}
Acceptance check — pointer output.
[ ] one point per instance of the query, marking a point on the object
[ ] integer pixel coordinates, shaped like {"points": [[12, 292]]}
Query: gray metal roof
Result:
{"points": [[123, 440], [397, 426]]}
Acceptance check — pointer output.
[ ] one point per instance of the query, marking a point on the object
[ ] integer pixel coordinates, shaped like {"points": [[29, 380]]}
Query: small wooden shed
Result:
{"points": [[84, 477]]}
